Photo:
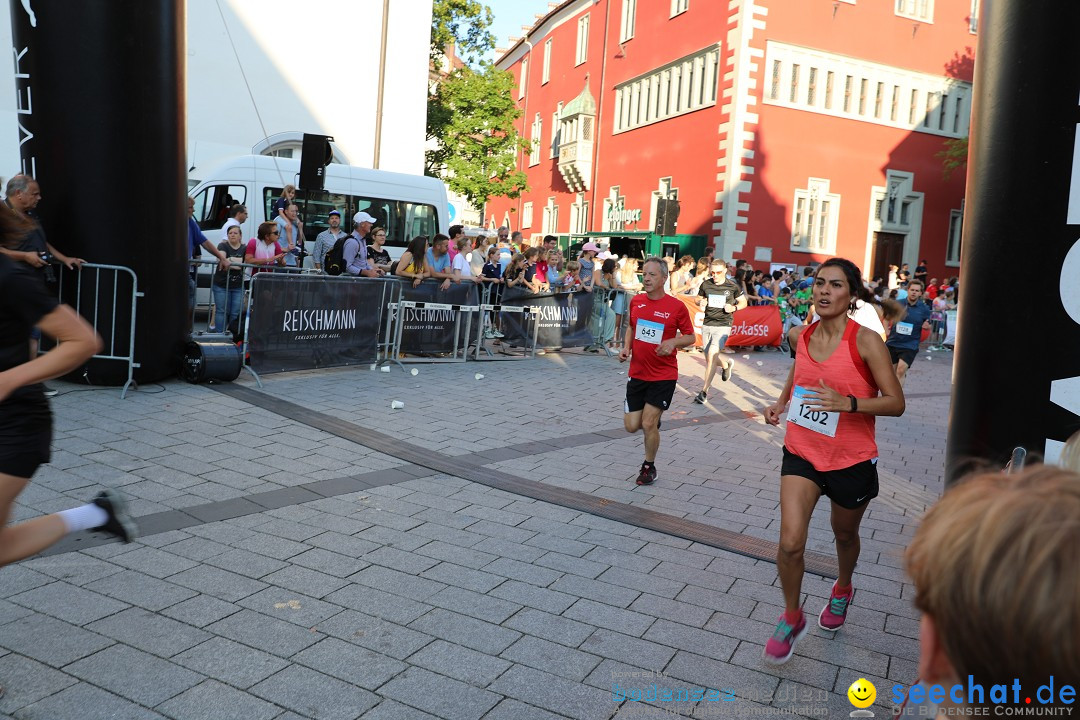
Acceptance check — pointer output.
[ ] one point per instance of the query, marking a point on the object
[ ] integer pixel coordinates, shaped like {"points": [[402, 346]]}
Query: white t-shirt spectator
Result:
{"points": [[461, 264]]}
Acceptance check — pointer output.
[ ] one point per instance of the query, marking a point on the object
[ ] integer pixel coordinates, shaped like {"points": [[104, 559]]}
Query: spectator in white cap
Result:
{"points": [[588, 265], [326, 239], [355, 251]]}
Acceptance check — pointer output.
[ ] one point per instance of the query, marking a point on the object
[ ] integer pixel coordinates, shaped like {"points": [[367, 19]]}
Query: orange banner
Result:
{"points": [[757, 325]]}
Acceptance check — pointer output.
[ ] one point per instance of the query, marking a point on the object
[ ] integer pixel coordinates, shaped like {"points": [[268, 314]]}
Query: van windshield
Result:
{"points": [[402, 219]]}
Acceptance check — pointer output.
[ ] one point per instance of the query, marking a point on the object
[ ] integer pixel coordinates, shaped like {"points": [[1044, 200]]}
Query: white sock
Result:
{"points": [[83, 518]]}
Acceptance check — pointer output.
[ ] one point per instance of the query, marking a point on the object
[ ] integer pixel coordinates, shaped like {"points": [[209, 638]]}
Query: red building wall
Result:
{"points": [[789, 146]]}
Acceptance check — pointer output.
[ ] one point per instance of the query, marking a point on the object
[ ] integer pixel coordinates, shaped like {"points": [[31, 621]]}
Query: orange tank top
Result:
{"points": [[831, 441]]}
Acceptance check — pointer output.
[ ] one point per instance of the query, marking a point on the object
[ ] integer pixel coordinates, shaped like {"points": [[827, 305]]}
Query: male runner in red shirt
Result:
{"points": [[656, 321]]}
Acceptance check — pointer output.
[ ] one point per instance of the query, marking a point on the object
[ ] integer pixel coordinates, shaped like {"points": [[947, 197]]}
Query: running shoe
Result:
{"points": [[497, 334], [781, 645], [49, 391], [701, 398], [647, 476], [834, 614], [725, 374], [489, 334], [119, 523]]}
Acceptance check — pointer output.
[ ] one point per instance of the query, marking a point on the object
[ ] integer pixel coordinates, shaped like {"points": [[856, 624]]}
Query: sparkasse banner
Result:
{"points": [[299, 323]]}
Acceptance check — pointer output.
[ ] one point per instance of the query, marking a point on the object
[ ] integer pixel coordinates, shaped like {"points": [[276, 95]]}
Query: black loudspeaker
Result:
{"points": [[667, 216], [314, 157], [211, 357]]}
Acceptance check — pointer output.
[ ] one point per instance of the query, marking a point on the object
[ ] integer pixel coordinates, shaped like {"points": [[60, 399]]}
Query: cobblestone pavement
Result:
{"points": [[289, 572]]}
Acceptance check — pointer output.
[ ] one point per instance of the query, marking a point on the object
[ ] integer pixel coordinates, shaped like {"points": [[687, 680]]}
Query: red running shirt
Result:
{"points": [[848, 374], [652, 322]]}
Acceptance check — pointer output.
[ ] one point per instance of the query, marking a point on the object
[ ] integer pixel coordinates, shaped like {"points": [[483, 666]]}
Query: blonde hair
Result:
{"points": [[628, 273], [573, 266], [461, 242], [994, 564]]}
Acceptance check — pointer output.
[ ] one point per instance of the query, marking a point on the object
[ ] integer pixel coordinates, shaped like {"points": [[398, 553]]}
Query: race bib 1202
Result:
{"points": [[819, 421]]}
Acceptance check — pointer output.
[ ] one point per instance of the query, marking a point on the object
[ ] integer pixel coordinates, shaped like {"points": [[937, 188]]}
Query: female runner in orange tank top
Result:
{"points": [[841, 379]]}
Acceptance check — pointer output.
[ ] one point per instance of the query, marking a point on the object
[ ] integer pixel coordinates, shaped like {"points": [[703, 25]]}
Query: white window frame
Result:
{"points": [[900, 202], [954, 237], [663, 190], [545, 74], [581, 53], [523, 77], [973, 18], [534, 139], [527, 215], [808, 233], [629, 19], [556, 132], [610, 201], [579, 215], [919, 10], [550, 224], [682, 86], [678, 7]]}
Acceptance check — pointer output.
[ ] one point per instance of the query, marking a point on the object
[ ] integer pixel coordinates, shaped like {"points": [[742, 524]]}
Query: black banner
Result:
{"points": [[563, 317], [431, 330], [299, 323]]}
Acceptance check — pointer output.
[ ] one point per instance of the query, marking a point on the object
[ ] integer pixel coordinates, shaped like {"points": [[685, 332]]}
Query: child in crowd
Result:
{"points": [[490, 277], [515, 272], [572, 279]]}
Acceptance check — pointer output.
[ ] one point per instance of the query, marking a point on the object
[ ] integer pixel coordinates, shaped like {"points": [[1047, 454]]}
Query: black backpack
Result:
{"points": [[334, 262]]}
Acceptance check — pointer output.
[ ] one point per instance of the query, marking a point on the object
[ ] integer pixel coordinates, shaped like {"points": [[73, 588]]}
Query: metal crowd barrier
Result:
{"points": [[119, 341], [460, 349], [605, 303], [490, 310]]}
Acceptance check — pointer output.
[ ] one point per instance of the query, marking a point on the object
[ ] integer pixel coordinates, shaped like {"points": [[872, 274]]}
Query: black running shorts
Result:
{"points": [[850, 487], [657, 393], [25, 437], [908, 356]]}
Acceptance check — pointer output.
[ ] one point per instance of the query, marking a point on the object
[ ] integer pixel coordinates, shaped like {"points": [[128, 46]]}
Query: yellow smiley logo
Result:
{"points": [[862, 693]]}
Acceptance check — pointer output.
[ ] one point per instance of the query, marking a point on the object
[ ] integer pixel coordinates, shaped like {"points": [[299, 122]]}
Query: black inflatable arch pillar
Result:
{"points": [[1017, 364], [100, 107]]}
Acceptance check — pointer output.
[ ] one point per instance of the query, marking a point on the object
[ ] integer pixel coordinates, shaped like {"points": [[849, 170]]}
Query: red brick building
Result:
{"points": [[789, 130]]}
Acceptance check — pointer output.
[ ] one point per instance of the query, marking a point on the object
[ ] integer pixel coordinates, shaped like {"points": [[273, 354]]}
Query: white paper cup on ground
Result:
{"points": [[396, 405], [384, 368], [479, 376], [414, 372], [373, 368]]}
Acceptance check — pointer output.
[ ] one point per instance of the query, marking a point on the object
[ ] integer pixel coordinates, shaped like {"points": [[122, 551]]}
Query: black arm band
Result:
{"points": [[854, 404]]}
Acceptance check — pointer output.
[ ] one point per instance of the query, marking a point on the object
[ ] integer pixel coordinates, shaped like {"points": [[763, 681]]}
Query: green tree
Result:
{"points": [[953, 156], [471, 122], [471, 114], [464, 24]]}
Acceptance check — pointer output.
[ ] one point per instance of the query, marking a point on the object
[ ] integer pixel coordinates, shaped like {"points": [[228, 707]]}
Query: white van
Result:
{"points": [[407, 205]]}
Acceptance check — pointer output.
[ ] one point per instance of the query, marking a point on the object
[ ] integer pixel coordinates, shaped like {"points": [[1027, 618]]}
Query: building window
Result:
{"points": [[663, 191], [973, 18], [537, 129], [629, 16], [866, 91], [579, 215], [545, 74], [678, 7], [956, 231], [550, 225], [526, 215], [897, 211], [523, 77], [556, 131], [922, 10], [683, 86], [814, 218], [582, 53], [612, 201]]}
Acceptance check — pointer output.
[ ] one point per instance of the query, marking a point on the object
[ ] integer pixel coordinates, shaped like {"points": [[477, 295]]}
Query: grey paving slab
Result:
{"points": [[69, 603], [51, 641], [394, 608], [461, 663], [207, 700], [277, 637], [147, 592], [376, 634], [230, 662], [86, 702], [313, 694], [555, 694], [551, 657], [439, 695], [135, 675], [464, 630], [351, 663], [26, 681], [150, 632]]}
